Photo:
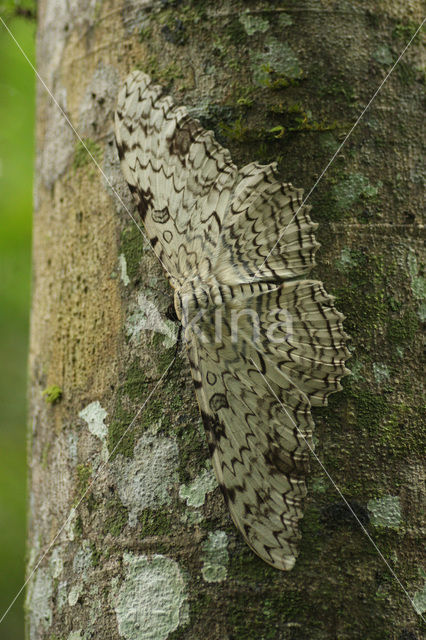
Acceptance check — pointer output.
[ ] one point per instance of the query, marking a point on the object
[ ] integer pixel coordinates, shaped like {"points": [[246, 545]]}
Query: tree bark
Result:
{"points": [[144, 548]]}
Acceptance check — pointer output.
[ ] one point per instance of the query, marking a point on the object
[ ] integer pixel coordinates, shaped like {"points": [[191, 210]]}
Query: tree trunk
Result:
{"points": [[144, 547]]}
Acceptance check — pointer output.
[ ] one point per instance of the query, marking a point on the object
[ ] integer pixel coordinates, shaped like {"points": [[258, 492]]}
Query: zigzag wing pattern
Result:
{"points": [[255, 386], [269, 235], [180, 176], [264, 344]]}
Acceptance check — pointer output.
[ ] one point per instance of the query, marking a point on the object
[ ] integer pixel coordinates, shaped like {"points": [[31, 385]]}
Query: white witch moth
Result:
{"points": [[264, 343]]}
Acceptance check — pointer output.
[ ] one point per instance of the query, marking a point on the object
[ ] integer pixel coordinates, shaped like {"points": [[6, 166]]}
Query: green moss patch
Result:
{"points": [[136, 381], [52, 394], [116, 517], [83, 152], [156, 522], [131, 244], [84, 473], [121, 438], [403, 328], [362, 298]]}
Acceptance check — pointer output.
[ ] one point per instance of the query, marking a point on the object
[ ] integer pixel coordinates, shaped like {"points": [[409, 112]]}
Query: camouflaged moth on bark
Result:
{"points": [[264, 343]]}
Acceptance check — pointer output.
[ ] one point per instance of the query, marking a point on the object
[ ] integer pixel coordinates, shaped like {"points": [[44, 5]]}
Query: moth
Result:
{"points": [[264, 342]]}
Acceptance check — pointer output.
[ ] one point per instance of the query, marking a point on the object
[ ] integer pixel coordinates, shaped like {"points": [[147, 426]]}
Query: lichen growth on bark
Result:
{"points": [[195, 492], [151, 601], [385, 511], [146, 480], [215, 557], [272, 87]]}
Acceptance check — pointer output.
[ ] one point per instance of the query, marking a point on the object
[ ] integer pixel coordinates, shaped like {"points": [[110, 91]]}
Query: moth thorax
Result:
{"points": [[195, 296]]}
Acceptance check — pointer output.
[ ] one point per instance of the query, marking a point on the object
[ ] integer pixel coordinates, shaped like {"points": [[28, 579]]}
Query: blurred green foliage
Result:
{"points": [[15, 8], [16, 174]]}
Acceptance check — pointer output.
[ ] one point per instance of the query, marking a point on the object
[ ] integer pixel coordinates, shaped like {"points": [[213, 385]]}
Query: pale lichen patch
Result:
{"points": [[95, 608], [277, 57], [285, 20], [383, 55], [123, 269], [189, 518], [61, 595], [56, 564], [147, 479], [381, 372], [195, 492], [82, 562], [99, 100], [253, 23], [146, 317], [94, 414], [385, 511], [346, 260], [52, 39], [76, 635], [69, 528], [353, 187], [319, 485], [39, 602], [74, 593], [357, 367], [72, 442], [419, 598], [151, 602], [215, 557]]}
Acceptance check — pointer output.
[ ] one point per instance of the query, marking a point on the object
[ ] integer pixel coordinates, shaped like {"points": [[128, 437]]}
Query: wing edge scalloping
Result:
{"points": [[277, 556], [187, 132], [254, 171]]}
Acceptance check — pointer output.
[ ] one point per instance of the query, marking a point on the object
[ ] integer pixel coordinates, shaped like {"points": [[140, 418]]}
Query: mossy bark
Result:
{"points": [[148, 550]]}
